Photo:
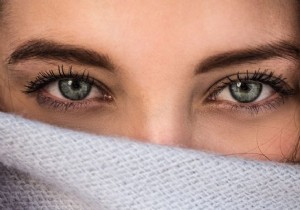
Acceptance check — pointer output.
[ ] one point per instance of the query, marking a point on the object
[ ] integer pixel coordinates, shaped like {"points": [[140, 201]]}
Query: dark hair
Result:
{"points": [[296, 153], [1, 4], [1, 7]]}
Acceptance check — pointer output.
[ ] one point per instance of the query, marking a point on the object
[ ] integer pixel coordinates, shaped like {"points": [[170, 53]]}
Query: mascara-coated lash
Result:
{"points": [[45, 78], [281, 91], [266, 77]]}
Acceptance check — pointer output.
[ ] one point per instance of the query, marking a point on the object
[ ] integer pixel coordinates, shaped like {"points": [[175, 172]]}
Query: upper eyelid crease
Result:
{"points": [[281, 49], [46, 49]]}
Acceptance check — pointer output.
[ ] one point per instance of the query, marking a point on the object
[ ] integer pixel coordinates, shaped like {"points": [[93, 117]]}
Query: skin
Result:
{"points": [[156, 46]]}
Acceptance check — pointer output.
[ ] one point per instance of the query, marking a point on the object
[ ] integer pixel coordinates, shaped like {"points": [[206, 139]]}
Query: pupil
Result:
{"points": [[75, 85], [245, 87]]}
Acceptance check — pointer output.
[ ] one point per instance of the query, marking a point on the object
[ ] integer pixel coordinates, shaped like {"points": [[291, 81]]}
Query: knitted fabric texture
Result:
{"points": [[46, 167]]}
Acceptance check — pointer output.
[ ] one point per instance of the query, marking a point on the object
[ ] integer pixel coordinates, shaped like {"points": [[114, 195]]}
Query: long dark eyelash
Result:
{"points": [[266, 77], [45, 78]]}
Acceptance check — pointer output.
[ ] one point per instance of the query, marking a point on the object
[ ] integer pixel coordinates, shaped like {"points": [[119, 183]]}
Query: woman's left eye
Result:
{"points": [[251, 91], [245, 92]]}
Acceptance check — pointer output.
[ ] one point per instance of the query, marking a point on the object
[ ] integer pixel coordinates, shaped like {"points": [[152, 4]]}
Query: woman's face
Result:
{"points": [[221, 76]]}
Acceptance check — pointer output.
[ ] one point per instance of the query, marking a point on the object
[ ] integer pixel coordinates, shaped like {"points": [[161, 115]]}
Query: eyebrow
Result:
{"points": [[281, 49], [47, 49], [50, 50]]}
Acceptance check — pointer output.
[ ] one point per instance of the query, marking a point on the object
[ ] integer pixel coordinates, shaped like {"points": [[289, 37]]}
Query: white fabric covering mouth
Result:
{"points": [[46, 167]]}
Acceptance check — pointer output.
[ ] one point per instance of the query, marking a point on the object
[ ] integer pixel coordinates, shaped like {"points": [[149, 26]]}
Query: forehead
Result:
{"points": [[145, 25]]}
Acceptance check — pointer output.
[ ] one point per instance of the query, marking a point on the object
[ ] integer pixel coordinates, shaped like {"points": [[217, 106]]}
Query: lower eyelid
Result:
{"points": [[46, 100], [267, 105]]}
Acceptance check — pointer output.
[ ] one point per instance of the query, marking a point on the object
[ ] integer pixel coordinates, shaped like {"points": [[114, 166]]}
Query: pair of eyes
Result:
{"points": [[249, 91], [75, 89]]}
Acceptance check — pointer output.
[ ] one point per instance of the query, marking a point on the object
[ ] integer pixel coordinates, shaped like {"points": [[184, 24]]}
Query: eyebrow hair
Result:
{"points": [[1, 5], [1, 9], [280, 49], [50, 50], [45, 49]]}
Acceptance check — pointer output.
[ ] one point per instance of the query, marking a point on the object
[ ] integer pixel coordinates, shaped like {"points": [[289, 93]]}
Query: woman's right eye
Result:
{"points": [[65, 90], [73, 89]]}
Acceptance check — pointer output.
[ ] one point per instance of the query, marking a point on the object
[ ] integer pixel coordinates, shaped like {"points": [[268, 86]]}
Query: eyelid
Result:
{"points": [[281, 91], [45, 78], [278, 83], [59, 105]]}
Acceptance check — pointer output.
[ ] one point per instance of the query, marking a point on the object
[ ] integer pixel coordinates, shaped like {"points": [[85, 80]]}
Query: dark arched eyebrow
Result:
{"points": [[51, 50], [281, 49]]}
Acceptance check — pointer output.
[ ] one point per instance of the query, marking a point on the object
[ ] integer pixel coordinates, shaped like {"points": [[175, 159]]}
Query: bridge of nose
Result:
{"points": [[162, 117]]}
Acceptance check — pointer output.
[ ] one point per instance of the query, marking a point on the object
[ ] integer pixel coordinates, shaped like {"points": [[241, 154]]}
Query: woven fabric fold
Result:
{"points": [[47, 167]]}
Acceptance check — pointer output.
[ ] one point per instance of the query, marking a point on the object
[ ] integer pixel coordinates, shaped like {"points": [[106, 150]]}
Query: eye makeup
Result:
{"points": [[266, 79], [278, 85], [41, 87]]}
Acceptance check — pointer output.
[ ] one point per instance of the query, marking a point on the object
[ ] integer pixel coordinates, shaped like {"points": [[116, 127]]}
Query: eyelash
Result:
{"points": [[266, 77], [45, 78]]}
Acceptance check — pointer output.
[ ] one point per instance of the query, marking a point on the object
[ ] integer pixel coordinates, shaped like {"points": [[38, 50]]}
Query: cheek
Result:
{"points": [[278, 143], [273, 137]]}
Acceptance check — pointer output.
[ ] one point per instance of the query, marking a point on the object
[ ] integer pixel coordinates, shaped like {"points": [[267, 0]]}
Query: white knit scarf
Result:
{"points": [[46, 167]]}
